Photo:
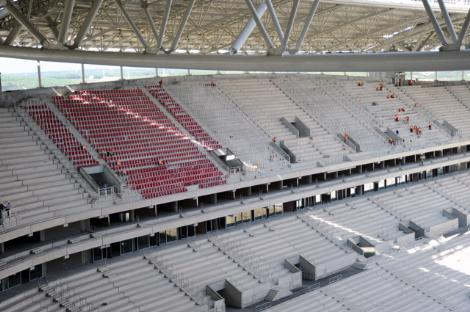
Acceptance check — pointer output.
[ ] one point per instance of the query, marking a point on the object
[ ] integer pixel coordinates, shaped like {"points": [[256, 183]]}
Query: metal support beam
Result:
{"points": [[24, 21], [166, 16], [372, 62], [182, 25], [293, 14], [66, 18], [52, 26], [464, 30], [13, 33], [150, 21], [308, 22], [423, 42], [260, 25], [435, 23], [450, 25], [87, 23], [247, 30], [276, 23], [132, 24]]}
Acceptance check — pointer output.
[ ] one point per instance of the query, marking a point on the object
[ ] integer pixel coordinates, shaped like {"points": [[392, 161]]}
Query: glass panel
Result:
{"points": [[18, 74], [246, 216], [154, 240], [260, 213], [357, 74], [97, 254], [99, 73], [203, 72], [165, 72], [60, 74], [183, 232], [36, 272], [171, 235], [162, 238], [449, 75], [335, 73], [333, 195], [138, 72], [126, 246], [466, 75], [14, 280], [368, 187], [424, 76], [230, 220], [142, 242], [191, 230]]}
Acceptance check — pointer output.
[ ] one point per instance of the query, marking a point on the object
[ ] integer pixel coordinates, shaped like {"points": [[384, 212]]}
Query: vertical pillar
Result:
{"points": [[121, 70], [83, 73], [39, 75]]}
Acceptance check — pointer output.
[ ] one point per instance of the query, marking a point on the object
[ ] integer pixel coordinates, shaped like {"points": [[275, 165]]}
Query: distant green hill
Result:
{"points": [[61, 78]]}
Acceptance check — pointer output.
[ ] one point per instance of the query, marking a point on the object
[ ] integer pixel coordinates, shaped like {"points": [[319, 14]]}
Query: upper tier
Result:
{"points": [[138, 140]]}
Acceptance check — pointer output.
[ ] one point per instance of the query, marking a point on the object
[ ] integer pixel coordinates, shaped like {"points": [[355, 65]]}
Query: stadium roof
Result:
{"points": [[212, 27]]}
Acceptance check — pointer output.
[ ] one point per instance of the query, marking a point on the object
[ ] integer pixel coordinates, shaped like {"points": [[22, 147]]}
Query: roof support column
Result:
{"points": [[260, 25], [87, 23], [450, 25], [166, 16], [248, 29], [64, 27], [150, 21], [13, 33], [132, 24], [435, 23], [463, 31], [276, 23], [308, 22], [24, 21], [293, 14], [182, 25]]}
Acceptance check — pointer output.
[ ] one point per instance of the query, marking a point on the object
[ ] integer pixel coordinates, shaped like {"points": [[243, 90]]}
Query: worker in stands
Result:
{"points": [[430, 126], [160, 83]]}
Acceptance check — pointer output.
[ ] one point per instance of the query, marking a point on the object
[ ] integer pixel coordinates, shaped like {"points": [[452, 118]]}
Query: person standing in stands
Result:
{"points": [[160, 83], [8, 208]]}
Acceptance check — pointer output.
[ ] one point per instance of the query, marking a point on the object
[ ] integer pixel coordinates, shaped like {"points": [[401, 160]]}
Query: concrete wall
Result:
{"points": [[304, 130], [442, 228], [289, 126]]}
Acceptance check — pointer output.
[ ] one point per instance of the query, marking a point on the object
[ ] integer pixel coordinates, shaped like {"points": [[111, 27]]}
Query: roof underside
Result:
{"points": [[214, 24]]}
